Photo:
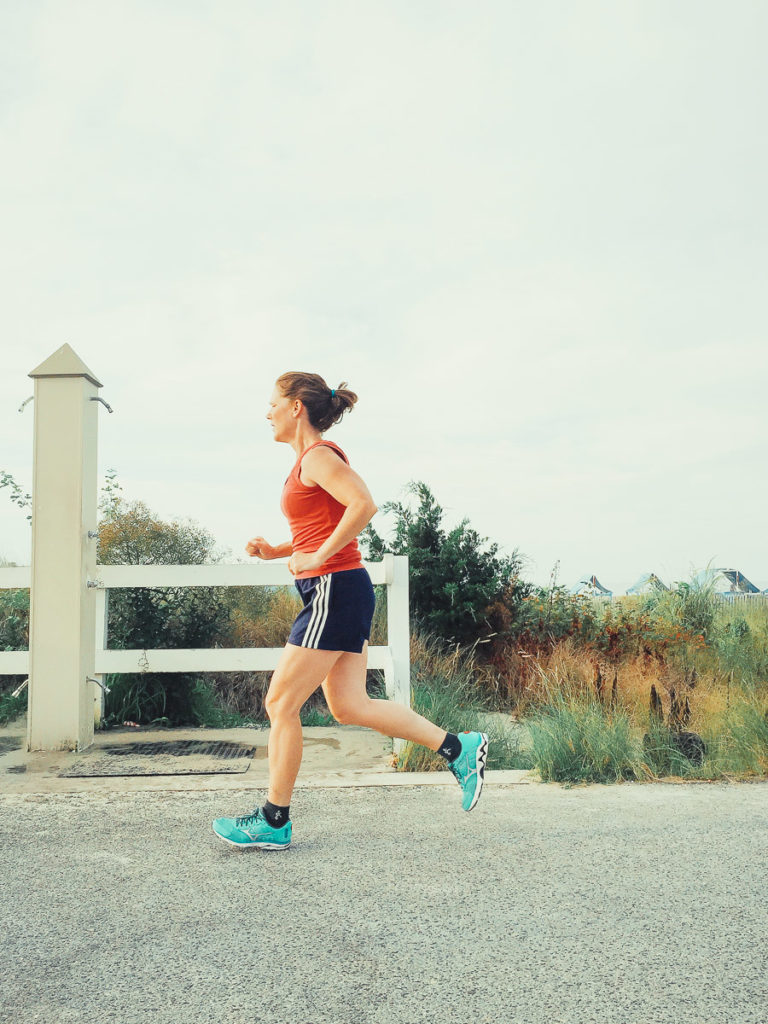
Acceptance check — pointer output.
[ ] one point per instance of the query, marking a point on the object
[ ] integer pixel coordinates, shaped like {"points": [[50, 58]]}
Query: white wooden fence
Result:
{"points": [[393, 659]]}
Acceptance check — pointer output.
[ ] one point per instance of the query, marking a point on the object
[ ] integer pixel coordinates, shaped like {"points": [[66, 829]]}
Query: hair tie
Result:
{"points": [[333, 392]]}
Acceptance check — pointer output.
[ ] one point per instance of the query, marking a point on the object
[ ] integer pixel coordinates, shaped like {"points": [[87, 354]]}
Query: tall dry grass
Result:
{"points": [[585, 728], [444, 689], [262, 617]]}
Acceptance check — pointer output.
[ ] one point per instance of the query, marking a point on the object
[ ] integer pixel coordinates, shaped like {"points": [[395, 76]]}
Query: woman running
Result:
{"points": [[327, 505]]}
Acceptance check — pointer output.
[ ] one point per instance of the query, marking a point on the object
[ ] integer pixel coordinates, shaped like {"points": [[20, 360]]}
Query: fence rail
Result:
{"points": [[393, 658]]}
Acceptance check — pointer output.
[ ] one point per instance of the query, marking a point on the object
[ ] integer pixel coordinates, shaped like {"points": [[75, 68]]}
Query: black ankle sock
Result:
{"points": [[450, 748], [276, 816]]}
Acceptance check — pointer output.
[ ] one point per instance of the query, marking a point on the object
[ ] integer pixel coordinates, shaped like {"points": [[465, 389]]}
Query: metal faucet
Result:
{"points": [[90, 679], [105, 404]]}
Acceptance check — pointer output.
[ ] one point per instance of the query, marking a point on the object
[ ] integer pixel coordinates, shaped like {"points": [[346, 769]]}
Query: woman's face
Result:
{"points": [[280, 416]]}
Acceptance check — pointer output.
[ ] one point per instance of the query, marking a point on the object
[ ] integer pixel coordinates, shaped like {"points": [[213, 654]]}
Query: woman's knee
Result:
{"points": [[351, 713], [280, 704]]}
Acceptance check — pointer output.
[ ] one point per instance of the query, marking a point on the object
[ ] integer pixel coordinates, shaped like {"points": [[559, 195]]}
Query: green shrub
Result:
{"points": [[144, 618], [11, 707], [14, 636], [168, 699], [159, 617], [690, 607], [552, 614], [453, 581], [14, 620], [206, 709], [311, 716]]}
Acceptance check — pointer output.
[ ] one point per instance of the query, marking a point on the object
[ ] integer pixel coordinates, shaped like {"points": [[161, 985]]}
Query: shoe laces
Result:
{"points": [[248, 819]]}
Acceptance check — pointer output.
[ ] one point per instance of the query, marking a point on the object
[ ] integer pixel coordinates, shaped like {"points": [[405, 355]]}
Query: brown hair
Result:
{"points": [[323, 408]]}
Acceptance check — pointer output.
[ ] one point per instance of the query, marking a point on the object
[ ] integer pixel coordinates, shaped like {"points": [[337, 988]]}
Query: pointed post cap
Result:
{"points": [[65, 362]]}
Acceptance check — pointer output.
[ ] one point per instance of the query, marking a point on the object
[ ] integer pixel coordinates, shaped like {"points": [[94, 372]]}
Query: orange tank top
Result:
{"points": [[313, 514]]}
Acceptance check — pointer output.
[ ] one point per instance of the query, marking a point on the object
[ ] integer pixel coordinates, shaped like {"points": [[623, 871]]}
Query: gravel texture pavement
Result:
{"points": [[627, 904]]}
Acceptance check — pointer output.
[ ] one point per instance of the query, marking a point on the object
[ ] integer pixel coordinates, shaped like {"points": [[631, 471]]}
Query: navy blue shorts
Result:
{"points": [[337, 612]]}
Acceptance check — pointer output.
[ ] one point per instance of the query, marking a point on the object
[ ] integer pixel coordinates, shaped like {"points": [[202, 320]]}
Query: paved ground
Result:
{"points": [[630, 904]]}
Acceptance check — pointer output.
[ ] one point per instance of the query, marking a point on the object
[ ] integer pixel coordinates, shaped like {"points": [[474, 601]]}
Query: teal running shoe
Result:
{"points": [[253, 830], [469, 766]]}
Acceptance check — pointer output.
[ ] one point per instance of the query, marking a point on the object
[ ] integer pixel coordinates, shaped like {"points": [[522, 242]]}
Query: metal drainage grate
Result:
{"points": [[174, 757], [181, 748]]}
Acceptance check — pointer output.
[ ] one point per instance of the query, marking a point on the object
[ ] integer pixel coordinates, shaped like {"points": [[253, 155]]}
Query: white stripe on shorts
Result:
{"points": [[319, 613]]}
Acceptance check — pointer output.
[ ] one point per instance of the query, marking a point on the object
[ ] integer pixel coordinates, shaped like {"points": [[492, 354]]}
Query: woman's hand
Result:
{"points": [[258, 547], [304, 561]]}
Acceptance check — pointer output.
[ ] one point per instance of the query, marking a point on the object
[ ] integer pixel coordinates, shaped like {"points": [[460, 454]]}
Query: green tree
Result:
{"points": [[168, 617], [157, 617], [16, 493], [453, 581]]}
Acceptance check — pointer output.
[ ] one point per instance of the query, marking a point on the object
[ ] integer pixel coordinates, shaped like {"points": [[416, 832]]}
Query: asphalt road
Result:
{"points": [[633, 904]]}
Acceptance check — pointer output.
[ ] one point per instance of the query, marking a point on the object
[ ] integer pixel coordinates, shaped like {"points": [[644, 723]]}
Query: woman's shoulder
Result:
{"points": [[318, 456], [319, 445]]}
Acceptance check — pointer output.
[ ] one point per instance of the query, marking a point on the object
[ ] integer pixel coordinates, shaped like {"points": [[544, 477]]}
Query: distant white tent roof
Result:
{"points": [[591, 587], [727, 581], [647, 583]]}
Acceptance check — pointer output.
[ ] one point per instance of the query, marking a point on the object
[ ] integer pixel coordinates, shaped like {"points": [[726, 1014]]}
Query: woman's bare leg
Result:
{"points": [[348, 702], [299, 673]]}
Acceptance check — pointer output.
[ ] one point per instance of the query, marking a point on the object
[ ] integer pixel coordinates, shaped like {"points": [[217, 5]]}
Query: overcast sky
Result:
{"points": [[531, 236]]}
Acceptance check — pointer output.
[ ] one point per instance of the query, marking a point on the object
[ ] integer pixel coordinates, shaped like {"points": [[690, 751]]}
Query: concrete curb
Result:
{"points": [[37, 785]]}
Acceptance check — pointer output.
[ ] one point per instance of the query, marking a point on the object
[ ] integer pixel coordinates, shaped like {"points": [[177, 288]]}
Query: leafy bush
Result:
{"points": [[14, 636], [690, 607], [550, 615], [159, 617], [11, 707], [14, 620], [453, 582]]}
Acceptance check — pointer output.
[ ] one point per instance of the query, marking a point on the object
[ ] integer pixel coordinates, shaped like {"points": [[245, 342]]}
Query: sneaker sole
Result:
{"points": [[482, 757], [250, 846]]}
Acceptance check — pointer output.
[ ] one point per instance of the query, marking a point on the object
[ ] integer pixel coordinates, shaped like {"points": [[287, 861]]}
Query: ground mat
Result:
{"points": [[176, 757]]}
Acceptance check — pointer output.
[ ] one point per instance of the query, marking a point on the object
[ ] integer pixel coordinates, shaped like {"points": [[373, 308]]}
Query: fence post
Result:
{"points": [[102, 619], [62, 606], [398, 634]]}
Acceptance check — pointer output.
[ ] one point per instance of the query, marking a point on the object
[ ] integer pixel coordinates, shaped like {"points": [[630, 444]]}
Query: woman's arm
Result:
{"points": [[258, 546]]}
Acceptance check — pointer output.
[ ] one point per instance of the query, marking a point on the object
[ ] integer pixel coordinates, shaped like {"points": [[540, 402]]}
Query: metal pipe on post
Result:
{"points": [[62, 606]]}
